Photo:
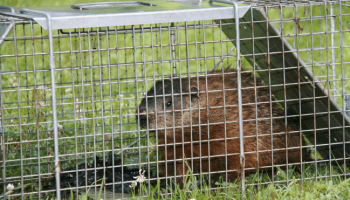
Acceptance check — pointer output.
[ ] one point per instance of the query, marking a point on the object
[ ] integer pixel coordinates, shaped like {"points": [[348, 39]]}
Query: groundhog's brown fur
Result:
{"points": [[195, 140]]}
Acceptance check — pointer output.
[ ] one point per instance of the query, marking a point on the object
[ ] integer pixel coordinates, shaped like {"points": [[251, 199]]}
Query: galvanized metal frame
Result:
{"points": [[334, 113], [162, 12], [53, 92], [239, 90], [5, 28]]}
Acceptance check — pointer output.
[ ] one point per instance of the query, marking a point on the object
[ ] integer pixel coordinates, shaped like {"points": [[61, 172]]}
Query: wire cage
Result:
{"points": [[93, 93]]}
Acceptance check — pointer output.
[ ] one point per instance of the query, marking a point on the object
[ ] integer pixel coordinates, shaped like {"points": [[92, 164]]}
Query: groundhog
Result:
{"points": [[197, 121]]}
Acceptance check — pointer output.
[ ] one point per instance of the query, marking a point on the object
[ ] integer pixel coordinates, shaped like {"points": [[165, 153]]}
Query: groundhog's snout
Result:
{"points": [[152, 121], [147, 121], [143, 120]]}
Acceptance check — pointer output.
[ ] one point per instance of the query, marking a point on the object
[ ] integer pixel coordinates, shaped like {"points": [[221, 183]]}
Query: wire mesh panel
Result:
{"points": [[295, 67], [160, 101]]}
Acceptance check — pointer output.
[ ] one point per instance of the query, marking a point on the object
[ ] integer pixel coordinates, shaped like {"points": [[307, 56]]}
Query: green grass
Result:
{"points": [[94, 119], [298, 186], [291, 186]]}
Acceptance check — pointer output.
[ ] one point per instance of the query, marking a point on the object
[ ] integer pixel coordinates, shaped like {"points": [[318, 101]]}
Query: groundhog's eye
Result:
{"points": [[168, 104]]}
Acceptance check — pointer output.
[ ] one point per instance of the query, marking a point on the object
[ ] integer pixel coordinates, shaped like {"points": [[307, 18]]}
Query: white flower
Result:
{"points": [[141, 178], [10, 187], [278, 173], [59, 126], [133, 184]]}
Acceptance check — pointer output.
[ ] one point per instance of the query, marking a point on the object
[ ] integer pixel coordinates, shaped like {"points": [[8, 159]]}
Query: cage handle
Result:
{"points": [[7, 8], [222, 1], [89, 6]]}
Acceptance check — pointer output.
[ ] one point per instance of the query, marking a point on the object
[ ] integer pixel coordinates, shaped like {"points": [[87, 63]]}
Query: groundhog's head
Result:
{"points": [[167, 104]]}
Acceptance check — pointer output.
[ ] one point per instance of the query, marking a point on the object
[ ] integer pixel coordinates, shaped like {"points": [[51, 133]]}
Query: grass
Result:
{"points": [[96, 103], [294, 188], [298, 186]]}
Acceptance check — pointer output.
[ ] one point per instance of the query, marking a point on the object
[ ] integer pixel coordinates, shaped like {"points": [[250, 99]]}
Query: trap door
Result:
{"points": [[280, 66]]}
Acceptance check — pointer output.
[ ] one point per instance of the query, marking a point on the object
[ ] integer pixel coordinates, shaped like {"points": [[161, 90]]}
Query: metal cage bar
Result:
{"points": [[53, 92]]}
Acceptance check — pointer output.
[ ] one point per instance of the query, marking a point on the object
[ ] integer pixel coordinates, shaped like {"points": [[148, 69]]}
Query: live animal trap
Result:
{"points": [[224, 88]]}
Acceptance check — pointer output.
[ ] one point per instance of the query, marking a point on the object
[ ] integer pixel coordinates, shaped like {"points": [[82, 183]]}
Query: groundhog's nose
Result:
{"points": [[143, 120]]}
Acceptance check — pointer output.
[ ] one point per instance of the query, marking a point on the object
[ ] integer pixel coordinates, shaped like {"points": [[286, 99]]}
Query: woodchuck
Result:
{"points": [[197, 121]]}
